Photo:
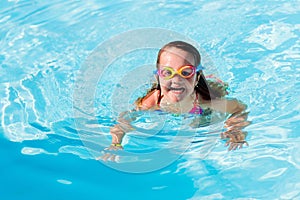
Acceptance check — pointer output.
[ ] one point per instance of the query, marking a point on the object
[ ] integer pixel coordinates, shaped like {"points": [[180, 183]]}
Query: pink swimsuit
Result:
{"points": [[195, 110]]}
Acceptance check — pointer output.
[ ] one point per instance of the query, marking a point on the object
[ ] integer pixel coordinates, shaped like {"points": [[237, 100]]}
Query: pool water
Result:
{"points": [[49, 145]]}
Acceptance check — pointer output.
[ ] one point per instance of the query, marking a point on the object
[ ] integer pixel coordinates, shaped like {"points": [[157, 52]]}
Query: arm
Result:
{"points": [[235, 123], [118, 131]]}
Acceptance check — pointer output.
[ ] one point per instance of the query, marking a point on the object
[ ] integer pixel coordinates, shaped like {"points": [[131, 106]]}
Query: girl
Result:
{"points": [[182, 88]]}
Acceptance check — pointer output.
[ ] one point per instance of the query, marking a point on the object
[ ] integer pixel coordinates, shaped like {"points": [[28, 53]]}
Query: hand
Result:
{"points": [[236, 139], [237, 121], [235, 135], [110, 156]]}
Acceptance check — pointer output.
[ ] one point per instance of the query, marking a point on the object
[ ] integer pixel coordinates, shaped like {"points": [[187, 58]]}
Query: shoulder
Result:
{"points": [[226, 105], [149, 101]]}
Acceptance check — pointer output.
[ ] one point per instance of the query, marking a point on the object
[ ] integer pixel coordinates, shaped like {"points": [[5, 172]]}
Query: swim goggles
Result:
{"points": [[186, 71]]}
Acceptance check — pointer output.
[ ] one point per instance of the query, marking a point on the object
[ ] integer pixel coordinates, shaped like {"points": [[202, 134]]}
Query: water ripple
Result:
{"points": [[273, 174], [255, 46]]}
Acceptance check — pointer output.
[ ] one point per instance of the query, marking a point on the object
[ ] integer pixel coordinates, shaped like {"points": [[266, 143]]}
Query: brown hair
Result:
{"points": [[207, 90]]}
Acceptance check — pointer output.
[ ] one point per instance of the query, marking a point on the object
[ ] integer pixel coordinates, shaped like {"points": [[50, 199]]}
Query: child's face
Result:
{"points": [[177, 88]]}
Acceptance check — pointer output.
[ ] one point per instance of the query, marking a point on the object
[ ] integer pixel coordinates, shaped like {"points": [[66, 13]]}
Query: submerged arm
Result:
{"points": [[235, 135], [123, 126], [118, 131]]}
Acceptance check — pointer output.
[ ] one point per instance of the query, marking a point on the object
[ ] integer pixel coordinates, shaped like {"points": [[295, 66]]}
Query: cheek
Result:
{"points": [[165, 83], [191, 82], [190, 86], [164, 87]]}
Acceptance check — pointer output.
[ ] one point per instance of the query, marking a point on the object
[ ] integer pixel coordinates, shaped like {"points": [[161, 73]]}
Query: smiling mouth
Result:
{"points": [[176, 90]]}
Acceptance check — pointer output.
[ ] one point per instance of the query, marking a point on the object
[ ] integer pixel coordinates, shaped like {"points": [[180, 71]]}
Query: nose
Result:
{"points": [[177, 79]]}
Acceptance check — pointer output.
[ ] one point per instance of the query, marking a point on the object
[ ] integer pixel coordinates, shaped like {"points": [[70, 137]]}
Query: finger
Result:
{"points": [[105, 157], [223, 135], [99, 158], [231, 147], [107, 148], [117, 159], [227, 143], [246, 143], [112, 157], [236, 120], [235, 147], [240, 124], [243, 115], [241, 145]]}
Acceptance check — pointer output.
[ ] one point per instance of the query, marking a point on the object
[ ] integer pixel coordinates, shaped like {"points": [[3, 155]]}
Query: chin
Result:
{"points": [[175, 98]]}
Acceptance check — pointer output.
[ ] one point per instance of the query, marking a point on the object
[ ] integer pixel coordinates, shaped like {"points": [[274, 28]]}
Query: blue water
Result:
{"points": [[49, 145]]}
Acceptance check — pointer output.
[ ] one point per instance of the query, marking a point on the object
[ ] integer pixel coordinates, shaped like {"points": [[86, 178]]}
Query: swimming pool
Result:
{"points": [[48, 148]]}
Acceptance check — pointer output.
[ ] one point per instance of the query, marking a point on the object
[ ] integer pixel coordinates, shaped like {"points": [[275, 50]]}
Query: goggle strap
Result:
{"points": [[200, 67]]}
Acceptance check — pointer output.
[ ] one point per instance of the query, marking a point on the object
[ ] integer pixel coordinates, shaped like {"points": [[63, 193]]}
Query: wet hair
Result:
{"points": [[207, 90]]}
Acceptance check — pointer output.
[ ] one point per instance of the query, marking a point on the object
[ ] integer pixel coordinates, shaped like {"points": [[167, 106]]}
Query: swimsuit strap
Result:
{"points": [[197, 108]]}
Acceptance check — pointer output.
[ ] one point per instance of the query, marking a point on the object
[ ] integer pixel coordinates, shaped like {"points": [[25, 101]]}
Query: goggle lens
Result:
{"points": [[185, 72]]}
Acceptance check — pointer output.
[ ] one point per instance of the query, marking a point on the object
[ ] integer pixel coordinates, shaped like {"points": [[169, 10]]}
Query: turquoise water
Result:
{"points": [[48, 150]]}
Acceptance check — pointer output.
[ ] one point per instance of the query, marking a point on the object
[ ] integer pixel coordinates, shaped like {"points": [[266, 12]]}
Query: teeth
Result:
{"points": [[176, 88]]}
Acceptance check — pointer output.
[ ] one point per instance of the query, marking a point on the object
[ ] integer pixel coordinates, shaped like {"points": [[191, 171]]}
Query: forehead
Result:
{"points": [[175, 56]]}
